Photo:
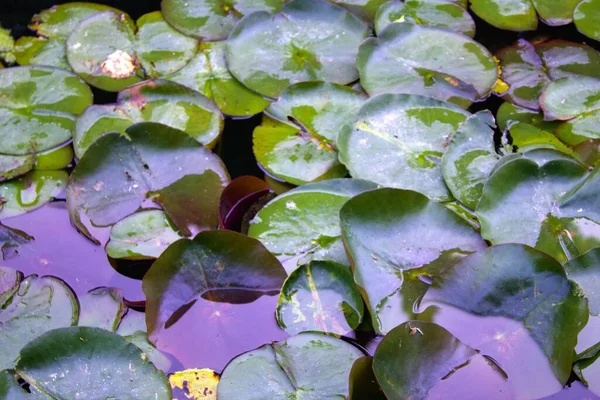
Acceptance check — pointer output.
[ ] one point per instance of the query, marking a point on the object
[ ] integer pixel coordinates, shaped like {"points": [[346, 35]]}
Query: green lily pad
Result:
{"points": [[546, 304], [160, 48], [407, 135], [13, 166], [308, 366], [305, 220], [396, 246], [513, 15], [508, 112], [58, 158], [212, 20], [117, 173], [587, 18], [415, 59], [31, 50], [143, 235], [39, 305], [363, 383], [159, 101], [30, 191], [216, 264], [102, 308], [441, 13], [322, 297], [10, 241], [38, 106], [207, 73], [307, 40], [555, 13], [528, 68], [101, 50], [7, 46], [585, 271], [10, 388], [99, 362]]}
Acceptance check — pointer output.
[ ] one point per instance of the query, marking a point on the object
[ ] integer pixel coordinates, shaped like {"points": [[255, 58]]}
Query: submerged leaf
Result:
{"points": [[10, 241]]}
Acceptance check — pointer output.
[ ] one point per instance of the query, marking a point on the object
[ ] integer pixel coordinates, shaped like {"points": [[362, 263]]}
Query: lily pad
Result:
{"points": [[322, 297], [216, 264], [397, 246], [362, 381], [40, 305], [439, 13], [587, 18], [99, 363], [585, 271], [207, 73], [102, 308], [308, 366], [159, 101], [508, 112], [407, 135], [305, 220], [143, 235], [415, 59], [547, 305], [101, 50], [38, 106], [31, 50], [30, 191], [119, 172], [307, 40], [160, 48]]}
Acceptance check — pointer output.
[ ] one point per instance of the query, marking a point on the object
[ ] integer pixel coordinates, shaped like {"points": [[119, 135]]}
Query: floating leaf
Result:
{"points": [[522, 15], [143, 235], [118, 172], [441, 13], [414, 59], [31, 50], [322, 297], [585, 271], [40, 305], [207, 73], [363, 383], [195, 384], [102, 308], [99, 363], [396, 246], [159, 101], [160, 48], [308, 366], [305, 220], [587, 18], [212, 20], [509, 112], [216, 264], [407, 135], [155, 356], [308, 40]]}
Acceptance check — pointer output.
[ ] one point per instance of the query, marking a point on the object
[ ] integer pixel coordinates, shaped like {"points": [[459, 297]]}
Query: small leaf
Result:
{"points": [[194, 384]]}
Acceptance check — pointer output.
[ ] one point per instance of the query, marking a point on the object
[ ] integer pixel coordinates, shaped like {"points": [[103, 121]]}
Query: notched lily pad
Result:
{"points": [[307, 40]]}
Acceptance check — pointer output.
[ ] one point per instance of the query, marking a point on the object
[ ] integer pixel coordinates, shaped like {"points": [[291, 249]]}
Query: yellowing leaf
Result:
{"points": [[197, 384]]}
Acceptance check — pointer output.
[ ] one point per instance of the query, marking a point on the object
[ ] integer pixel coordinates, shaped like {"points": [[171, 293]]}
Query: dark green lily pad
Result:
{"points": [[362, 381], [585, 271], [143, 235], [99, 363], [159, 101], [212, 20], [524, 285], [38, 106], [207, 73], [30, 191], [160, 48], [216, 264], [308, 366], [429, 61], [508, 112], [442, 14], [102, 308], [304, 222], [407, 135], [320, 296], [40, 305], [10, 241], [307, 40], [587, 18], [396, 246], [101, 50], [119, 172]]}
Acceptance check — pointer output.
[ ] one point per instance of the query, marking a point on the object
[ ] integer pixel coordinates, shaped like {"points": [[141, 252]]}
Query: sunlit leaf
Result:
{"points": [[194, 384]]}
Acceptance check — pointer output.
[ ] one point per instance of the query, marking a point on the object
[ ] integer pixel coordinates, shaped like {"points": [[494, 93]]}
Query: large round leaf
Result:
{"points": [[39, 305], [526, 286], [160, 101], [439, 13], [308, 40], [406, 135], [307, 366], [118, 172], [434, 62], [585, 270], [320, 296], [304, 222], [101, 49], [38, 106], [587, 18], [82, 362], [207, 73], [396, 240], [218, 264]]}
